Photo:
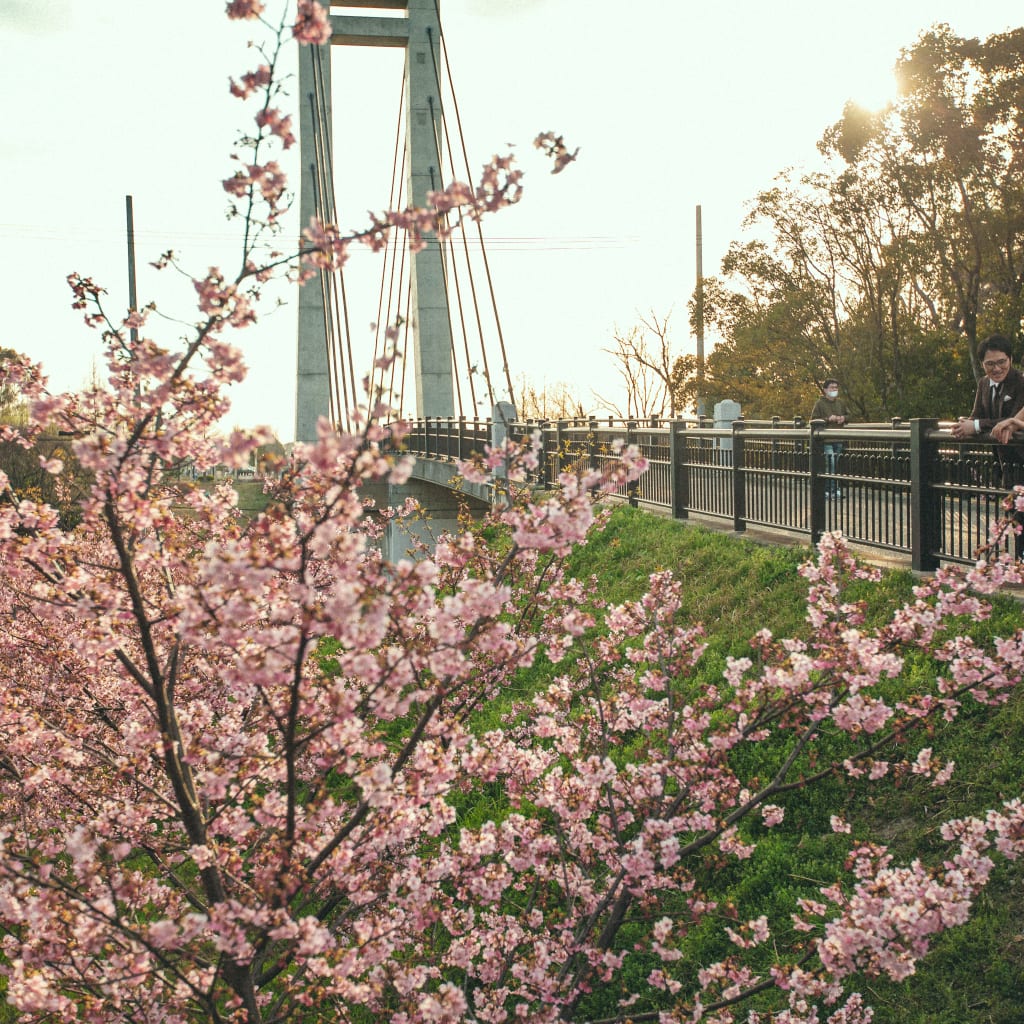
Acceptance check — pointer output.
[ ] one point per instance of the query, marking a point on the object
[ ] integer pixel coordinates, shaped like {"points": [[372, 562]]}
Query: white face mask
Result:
{"points": [[831, 394]]}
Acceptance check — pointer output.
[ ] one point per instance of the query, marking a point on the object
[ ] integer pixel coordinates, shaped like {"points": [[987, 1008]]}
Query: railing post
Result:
{"points": [[547, 430], [679, 472], [543, 470], [925, 503], [592, 444], [503, 415], [739, 488], [460, 455], [817, 484], [633, 487], [559, 441]]}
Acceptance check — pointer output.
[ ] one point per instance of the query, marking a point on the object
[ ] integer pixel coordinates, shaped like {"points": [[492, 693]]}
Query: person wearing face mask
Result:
{"points": [[833, 410]]}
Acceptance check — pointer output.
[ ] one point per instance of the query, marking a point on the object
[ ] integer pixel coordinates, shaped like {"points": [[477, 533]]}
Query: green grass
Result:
{"points": [[250, 495]]}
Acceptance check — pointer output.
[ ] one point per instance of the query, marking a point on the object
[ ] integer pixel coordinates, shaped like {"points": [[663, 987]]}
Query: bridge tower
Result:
{"points": [[419, 33]]}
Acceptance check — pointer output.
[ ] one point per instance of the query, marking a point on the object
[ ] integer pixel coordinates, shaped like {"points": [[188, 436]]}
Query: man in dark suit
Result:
{"points": [[1000, 393], [1000, 396]]}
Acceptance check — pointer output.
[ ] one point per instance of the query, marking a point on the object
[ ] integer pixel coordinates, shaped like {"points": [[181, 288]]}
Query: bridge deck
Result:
{"points": [[909, 492]]}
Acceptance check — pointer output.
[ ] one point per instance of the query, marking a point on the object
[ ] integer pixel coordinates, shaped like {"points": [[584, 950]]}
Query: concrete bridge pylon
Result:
{"points": [[419, 32]]}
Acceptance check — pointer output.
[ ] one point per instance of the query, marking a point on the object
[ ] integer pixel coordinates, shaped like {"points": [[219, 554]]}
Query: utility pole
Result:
{"points": [[133, 301], [700, 317]]}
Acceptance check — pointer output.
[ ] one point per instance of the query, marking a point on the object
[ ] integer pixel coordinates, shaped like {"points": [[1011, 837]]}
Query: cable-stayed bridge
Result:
{"points": [[908, 489], [441, 298]]}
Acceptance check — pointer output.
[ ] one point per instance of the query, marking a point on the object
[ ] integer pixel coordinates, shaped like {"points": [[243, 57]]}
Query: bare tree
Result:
{"points": [[556, 401], [643, 357]]}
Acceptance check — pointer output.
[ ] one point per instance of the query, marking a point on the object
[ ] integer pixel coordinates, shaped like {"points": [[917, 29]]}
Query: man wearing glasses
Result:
{"points": [[1000, 393]]}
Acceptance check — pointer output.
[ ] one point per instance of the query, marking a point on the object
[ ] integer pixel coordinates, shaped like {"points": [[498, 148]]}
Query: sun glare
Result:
{"points": [[874, 91]]}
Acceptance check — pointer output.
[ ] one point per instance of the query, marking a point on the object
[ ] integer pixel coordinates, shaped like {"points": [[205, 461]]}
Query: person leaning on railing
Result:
{"points": [[999, 397], [1000, 393]]}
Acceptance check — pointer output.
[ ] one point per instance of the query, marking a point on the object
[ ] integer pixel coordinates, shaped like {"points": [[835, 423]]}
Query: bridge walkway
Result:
{"points": [[912, 494]]}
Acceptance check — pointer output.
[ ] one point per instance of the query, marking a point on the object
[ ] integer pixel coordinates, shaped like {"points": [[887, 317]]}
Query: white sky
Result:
{"points": [[673, 103]]}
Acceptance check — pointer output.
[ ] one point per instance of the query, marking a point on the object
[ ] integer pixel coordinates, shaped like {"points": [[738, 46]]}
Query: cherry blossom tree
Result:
{"points": [[251, 772]]}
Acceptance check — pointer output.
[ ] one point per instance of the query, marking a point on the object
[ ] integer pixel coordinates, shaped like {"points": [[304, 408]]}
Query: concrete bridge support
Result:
{"points": [[441, 509], [312, 382], [419, 32], [442, 494]]}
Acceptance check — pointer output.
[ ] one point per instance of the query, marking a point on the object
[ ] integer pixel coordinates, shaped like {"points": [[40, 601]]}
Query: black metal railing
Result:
{"points": [[909, 488], [448, 439]]}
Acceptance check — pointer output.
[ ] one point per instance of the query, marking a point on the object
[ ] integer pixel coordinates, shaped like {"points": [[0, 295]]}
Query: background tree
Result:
{"points": [[556, 401], [12, 408], [38, 466], [950, 149], [765, 359], [833, 294], [883, 269], [643, 358]]}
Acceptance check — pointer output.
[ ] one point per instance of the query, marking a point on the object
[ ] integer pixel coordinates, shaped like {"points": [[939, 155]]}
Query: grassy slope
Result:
{"points": [[975, 974]]}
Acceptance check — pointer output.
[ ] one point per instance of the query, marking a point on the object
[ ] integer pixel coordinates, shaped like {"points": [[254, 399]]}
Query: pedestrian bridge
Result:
{"points": [[906, 489]]}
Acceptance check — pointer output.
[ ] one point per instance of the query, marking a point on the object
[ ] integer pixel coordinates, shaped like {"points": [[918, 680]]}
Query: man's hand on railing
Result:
{"points": [[964, 428]]}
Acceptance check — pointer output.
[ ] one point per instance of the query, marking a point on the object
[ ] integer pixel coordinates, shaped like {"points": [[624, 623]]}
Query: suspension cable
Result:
{"points": [[323, 211], [472, 286], [319, 209], [348, 381], [406, 328], [394, 202], [397, 291], [434, 184], [451, 269], [480, 234]]}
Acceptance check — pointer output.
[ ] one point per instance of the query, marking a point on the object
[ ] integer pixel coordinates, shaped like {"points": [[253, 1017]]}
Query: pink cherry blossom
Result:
{"points": [[239, 748], [312, 23], [251, 81], [279, 124], [243, 9]]}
